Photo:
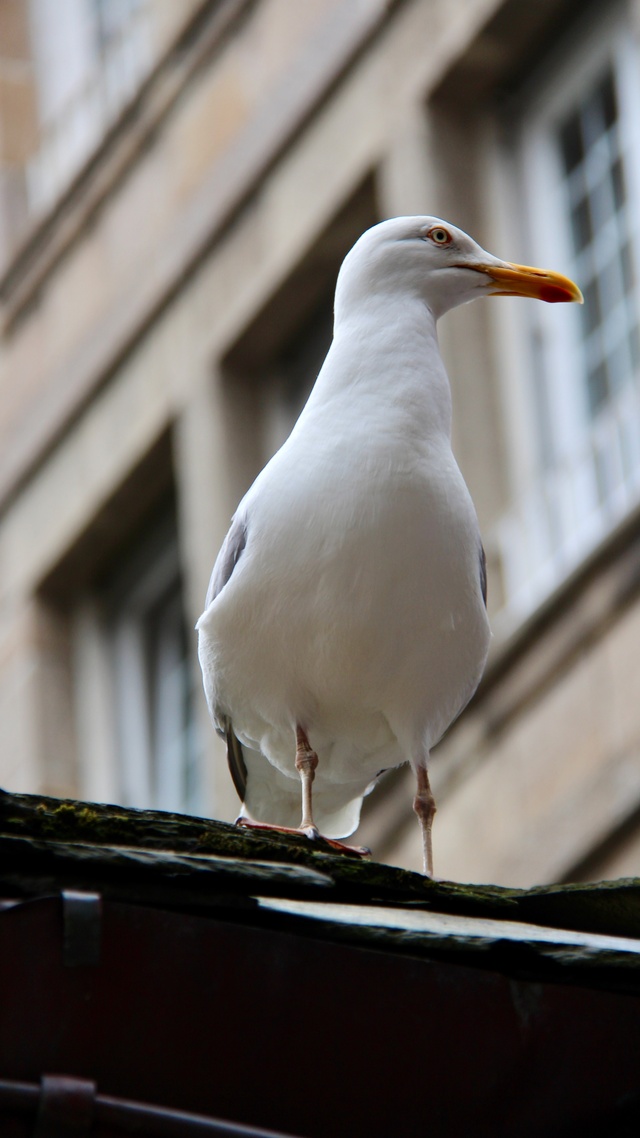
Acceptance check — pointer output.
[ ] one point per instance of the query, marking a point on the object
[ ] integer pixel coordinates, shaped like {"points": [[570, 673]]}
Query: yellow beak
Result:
{"points": [[522, 280]]}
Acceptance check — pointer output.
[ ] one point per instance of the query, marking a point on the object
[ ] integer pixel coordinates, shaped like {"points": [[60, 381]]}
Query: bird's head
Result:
{"points": [[433, 260]]}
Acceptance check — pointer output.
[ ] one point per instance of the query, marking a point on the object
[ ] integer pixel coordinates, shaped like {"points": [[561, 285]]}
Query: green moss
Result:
{"points": [[71, 821], [610, 907]]}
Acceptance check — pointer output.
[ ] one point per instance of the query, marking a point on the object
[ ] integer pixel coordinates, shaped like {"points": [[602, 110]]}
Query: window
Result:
{"points": [[593, 168], [134, 675], [579, 180], [89, 56], [295, 373], [273, 366]]}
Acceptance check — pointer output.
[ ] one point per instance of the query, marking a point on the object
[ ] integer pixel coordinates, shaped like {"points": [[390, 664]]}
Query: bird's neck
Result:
{"points": [[387, 357]]}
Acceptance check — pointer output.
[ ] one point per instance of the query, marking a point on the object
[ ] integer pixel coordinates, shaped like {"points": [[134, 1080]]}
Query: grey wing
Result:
{"points": [[483, 573], [235, 758], [226, 561], [232, 549]]}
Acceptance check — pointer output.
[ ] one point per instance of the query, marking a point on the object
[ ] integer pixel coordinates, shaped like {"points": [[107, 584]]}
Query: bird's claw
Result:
{"points": [[350, 851], [310, 832]]}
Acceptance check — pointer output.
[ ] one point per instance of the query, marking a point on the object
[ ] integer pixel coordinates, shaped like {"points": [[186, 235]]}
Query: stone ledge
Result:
{"points": [[585, 934]]}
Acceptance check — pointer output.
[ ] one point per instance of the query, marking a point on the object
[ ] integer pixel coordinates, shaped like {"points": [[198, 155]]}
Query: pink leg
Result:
{"points": [[306, 763], [424, 805]]}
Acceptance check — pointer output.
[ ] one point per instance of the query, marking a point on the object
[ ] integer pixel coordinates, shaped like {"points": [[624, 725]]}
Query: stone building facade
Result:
{"points": [[179, 183]]}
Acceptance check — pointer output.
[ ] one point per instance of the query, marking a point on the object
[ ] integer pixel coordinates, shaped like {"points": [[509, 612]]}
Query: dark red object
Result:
{"points": [[285, 1031]]}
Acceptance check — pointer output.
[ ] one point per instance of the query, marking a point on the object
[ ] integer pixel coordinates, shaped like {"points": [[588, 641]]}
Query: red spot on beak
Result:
{"points": [[554, 294]]}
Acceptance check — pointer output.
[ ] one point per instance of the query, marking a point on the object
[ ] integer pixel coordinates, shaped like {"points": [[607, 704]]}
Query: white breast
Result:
{"points": [[355, 611]]}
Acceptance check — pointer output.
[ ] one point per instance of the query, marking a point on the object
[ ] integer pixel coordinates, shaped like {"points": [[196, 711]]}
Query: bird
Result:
{"points": [[345, 626]]}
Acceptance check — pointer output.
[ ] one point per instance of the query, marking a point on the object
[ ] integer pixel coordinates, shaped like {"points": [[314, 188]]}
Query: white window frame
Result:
{"points": [[556, 518]]}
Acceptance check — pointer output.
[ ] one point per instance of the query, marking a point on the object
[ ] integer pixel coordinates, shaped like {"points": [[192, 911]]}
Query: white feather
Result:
{"points": [[355, 608]]}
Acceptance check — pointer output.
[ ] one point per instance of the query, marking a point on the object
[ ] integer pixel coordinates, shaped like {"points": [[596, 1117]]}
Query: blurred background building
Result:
{"points": [[179, 182]]}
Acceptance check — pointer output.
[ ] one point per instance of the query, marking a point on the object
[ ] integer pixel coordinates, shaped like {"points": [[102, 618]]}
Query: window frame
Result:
{"points": [[555, 520], [125, 751], [74, 116]]}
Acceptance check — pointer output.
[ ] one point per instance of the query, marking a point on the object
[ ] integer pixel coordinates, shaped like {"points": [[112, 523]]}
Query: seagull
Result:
{"points": [[345, 625]]}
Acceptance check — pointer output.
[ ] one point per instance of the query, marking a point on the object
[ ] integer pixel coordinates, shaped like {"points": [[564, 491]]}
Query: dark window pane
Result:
{"points": [[617, 181], [602, 205], [597, 387], [600, 112], [571, 143], [634, 347], [591, 310], [611, 289], [581, 226], [628, 274], [604, 475], [608, 101]]}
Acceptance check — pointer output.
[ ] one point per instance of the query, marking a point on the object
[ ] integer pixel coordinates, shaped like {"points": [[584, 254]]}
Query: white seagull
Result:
{"points": [[345, 624]]}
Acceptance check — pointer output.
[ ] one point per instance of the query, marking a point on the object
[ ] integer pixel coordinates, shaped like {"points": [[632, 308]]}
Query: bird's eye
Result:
{"points": [[439, 235]]}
